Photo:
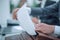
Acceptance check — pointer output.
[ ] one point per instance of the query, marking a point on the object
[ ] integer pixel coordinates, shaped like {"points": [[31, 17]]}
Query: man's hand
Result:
{"points": [[35, 20], [14, 13], [44, 28]]}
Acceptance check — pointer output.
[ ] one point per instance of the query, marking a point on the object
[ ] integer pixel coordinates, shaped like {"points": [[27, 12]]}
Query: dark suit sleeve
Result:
{"points": [[42, 11]]}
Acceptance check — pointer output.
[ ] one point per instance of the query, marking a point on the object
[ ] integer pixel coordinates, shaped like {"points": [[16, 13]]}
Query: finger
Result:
{"points": [[38, 30], [37, 25]]}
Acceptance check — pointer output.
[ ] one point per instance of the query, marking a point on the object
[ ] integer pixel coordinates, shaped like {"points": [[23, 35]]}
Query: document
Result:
{"points": [[25, 20]]}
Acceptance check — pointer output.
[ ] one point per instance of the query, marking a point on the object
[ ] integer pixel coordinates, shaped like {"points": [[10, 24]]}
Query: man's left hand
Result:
{"points": [[44, 28]]}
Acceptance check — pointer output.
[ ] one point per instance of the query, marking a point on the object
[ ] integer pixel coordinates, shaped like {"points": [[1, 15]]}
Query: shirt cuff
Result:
{"points": [[29, 10], [57, 30]]}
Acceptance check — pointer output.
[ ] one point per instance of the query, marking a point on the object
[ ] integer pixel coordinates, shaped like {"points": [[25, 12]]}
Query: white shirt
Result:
{"points": [[57, 30]]}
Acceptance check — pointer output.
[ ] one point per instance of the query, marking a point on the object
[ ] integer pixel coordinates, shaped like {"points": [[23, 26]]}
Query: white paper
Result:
{"points": [[25, 20]]}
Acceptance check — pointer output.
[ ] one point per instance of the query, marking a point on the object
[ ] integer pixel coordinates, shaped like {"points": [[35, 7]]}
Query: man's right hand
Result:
{"points": [[14, 13]]}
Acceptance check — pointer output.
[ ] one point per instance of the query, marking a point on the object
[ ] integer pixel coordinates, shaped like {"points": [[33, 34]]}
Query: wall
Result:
{"points": [[4, 12]]}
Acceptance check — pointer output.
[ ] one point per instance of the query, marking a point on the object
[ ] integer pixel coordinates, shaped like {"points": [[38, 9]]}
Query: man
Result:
{"points": [[45, 28], [53, 10]]}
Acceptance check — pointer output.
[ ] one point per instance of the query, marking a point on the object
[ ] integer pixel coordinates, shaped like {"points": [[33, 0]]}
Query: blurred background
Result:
{"points": [[31, 3]]}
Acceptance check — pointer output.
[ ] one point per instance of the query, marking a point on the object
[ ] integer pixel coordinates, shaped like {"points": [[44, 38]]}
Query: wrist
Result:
{"points": [[52, 28]]}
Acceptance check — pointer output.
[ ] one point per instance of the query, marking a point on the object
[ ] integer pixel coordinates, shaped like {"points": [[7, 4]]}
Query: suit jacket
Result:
{"points": [[49, 15]]}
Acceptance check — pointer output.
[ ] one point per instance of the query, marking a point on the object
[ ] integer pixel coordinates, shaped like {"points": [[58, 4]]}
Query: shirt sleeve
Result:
{"points": [[57, 30]]}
